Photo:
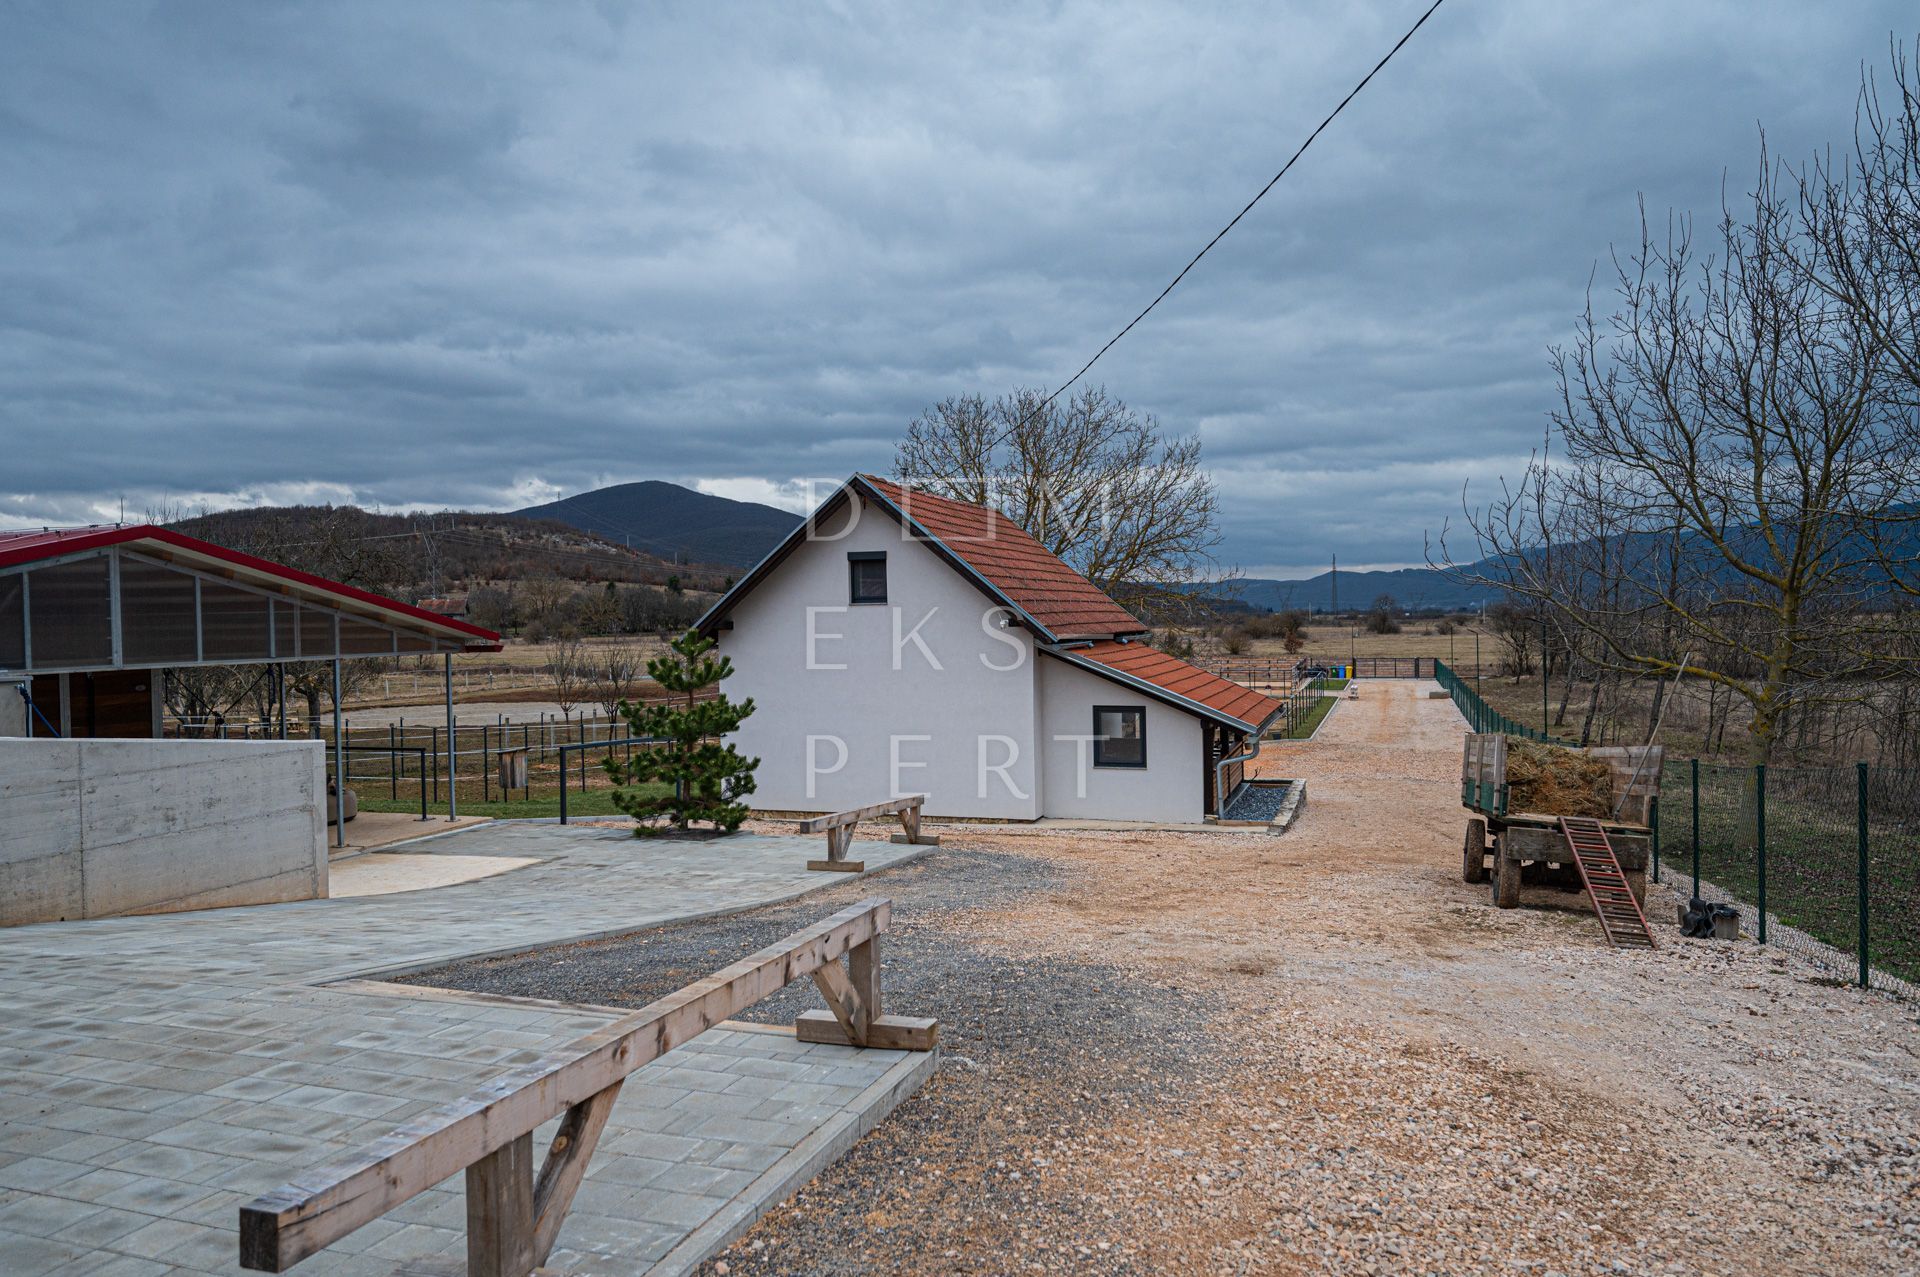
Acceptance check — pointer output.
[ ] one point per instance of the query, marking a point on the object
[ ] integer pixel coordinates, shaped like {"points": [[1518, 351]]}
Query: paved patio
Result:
{"points": [[157, 1072]]}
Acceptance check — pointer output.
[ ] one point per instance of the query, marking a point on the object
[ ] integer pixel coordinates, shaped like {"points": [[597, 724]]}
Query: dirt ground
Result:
{"points": [[1324, 1052]]}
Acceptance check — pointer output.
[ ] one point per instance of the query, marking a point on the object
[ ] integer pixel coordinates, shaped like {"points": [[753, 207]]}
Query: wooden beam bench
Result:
{"points": [[838, 826], [513, 1211]]}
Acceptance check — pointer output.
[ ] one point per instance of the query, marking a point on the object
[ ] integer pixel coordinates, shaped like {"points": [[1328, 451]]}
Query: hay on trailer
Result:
{"points": [[1556, 781]]}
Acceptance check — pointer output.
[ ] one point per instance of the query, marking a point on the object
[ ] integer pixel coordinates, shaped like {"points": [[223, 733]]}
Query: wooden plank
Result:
{"points": [[844, 1001], [280, 1228], [863, 972], [844, 866], [566, 1166], [886, 1032], [500, 1211], [835, 819]]}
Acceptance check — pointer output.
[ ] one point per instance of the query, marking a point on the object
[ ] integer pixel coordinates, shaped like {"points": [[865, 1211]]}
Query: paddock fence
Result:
{"points": [[1824, 861]]}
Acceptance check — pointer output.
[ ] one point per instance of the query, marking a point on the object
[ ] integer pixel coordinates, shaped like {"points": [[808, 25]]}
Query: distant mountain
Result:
{"points": [[409, 555], [673, 522], [1416, 589]]}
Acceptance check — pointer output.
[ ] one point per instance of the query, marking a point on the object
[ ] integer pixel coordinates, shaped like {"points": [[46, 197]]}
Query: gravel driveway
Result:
{"points": [[1323, 1053]]}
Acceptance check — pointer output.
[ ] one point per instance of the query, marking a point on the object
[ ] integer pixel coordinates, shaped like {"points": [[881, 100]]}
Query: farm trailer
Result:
{"points": [[1515, 847]]}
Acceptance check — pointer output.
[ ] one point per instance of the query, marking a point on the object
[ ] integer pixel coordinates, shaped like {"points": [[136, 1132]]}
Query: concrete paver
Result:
{"points": [[157, 1072]]}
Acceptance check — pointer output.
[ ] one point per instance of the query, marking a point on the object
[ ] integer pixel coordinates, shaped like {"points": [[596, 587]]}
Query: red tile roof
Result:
{"points": [[1137, 661], [1062, 601]]}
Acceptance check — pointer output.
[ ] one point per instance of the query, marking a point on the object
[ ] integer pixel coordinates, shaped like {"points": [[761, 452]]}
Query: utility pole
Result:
{"points": [[1334, 607]]}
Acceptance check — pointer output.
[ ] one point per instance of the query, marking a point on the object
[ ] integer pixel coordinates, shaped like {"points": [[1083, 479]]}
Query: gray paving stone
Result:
{"points": [[22, 1253], [156, 1072]]}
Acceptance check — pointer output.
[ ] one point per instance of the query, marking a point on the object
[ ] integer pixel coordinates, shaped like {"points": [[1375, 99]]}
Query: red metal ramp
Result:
{"points": [[1621, 917]]}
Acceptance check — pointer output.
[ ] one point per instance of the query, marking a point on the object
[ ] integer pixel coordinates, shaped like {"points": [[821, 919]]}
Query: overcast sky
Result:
{"points": [[423, 256]]}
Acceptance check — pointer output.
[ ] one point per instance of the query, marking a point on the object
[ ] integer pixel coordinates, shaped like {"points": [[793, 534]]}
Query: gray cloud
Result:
{"points": [[432, 255]]}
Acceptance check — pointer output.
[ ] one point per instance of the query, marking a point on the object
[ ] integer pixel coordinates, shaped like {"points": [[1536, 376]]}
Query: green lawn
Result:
{"points": [[1329, 684], [1322, 706]]}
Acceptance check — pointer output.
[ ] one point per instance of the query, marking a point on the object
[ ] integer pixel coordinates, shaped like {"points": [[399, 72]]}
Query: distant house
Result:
{"points": [[898, 643]]}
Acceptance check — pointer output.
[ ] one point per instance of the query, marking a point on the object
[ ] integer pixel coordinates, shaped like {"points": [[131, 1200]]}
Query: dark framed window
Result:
{"points": [[867, 576], [1119, 736]]}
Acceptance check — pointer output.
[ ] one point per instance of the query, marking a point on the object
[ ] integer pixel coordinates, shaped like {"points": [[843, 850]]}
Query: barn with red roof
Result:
{"points": [[900, 642]]}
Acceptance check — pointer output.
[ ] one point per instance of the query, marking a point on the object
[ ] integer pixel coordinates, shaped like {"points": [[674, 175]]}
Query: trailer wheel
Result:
{"points": [[1473, 866], [1506, 881]]}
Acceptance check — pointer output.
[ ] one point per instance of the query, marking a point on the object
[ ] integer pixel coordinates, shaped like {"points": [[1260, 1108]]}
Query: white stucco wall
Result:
{"points": [[1168, 788], [94, 828], [887, 688]]}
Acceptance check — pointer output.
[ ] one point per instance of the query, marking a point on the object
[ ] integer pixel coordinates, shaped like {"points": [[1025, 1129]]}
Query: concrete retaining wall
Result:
{"points": [[94, 828]]}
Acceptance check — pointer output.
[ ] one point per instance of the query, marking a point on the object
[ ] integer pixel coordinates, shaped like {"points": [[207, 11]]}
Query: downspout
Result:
{"points": [[1220, 794]]}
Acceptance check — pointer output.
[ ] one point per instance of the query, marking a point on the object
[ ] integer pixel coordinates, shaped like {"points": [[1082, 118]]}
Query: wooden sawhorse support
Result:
{"points": [[838, 826], [515, 1208]]}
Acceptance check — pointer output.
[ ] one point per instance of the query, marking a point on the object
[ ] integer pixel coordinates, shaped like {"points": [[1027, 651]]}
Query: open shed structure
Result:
{"points": [[88, 616]]}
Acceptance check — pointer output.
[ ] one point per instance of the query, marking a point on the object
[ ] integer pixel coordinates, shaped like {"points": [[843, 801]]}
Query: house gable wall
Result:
{"points": [[869, 702]]}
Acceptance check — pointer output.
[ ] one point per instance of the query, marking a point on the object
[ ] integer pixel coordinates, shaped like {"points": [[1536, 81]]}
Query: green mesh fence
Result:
{"points": [[1480, 716], [1824, 861]]}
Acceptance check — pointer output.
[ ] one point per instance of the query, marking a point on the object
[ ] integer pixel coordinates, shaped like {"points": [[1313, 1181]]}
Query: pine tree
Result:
{"points": [[708, 777]]}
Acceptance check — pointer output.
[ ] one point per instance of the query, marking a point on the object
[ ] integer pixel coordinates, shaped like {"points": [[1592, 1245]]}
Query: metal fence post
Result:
{"points": [[1760, 839], [1862, 888], [1696, 829]]}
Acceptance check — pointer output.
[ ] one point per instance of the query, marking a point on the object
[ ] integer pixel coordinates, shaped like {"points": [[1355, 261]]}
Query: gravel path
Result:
{"points": [[1325, 1053]]}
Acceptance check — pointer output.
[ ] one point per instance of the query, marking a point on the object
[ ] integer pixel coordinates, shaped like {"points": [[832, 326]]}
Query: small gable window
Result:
{"points": [[1119, 736], [867, 573]]}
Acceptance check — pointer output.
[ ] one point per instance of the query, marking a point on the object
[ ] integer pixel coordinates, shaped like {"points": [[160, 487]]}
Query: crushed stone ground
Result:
{"points": [[1323, 1053]]}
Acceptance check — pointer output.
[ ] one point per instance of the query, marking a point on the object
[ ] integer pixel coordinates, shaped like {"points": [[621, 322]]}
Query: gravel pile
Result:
{"points": [[1258, 802]]}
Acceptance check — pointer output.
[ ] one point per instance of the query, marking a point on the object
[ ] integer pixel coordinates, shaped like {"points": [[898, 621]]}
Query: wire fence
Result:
{"points": [[1824, 861], [1480, 716], [404, 762]]}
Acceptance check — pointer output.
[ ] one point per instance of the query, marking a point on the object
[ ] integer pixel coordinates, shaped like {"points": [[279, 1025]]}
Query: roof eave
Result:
{"points": [[1158, 692]]}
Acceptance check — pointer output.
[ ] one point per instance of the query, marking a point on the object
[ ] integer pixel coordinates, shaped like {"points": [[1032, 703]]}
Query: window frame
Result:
{"points": [[854, 559], [1099, 740]]}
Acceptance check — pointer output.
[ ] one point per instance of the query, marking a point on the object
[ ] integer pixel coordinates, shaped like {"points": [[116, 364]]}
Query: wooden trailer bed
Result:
{"points": [[1512, 849]]}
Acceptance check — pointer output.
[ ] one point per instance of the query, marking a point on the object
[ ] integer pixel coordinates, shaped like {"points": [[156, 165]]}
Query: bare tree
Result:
{"points": [[1726, 450], [567, 672], [617, 671], [1091, 479], [1381, 617]]}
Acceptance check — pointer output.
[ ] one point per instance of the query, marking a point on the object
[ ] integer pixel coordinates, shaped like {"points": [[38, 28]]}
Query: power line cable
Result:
{"points": [[1274, 180]]}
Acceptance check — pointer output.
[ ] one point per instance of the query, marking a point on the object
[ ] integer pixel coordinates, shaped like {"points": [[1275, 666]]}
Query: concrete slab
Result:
{"points": [[372, 829], [381, 873], [157, 1072]]}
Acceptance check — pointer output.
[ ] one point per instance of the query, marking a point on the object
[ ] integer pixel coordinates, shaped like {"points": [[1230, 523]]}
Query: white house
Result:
{"points": [[900, 643]]}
